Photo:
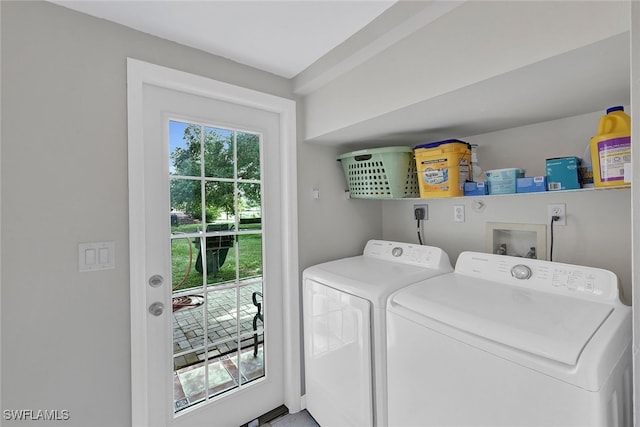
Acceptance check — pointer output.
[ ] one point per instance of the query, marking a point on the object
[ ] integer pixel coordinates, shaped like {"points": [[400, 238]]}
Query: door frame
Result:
{"points": [[140, 73]]}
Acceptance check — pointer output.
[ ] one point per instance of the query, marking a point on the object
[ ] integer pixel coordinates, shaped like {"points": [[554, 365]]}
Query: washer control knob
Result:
{"points": [[521, 272], [397, 251]]}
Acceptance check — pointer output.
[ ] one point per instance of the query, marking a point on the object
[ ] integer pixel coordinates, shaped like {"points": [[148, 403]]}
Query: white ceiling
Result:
{"points": [[280, 37]]}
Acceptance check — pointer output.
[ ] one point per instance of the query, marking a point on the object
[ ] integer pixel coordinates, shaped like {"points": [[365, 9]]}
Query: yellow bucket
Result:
{"points": [[443, 168]]}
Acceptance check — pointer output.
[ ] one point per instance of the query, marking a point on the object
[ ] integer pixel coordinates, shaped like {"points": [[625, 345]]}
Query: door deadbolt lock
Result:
{"points": [[156, 280], [156, 308]]}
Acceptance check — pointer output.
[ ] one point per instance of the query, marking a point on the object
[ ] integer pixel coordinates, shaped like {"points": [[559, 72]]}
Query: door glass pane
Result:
{"points": [[252, 308], [184, 249], [218, 153], [250, 256], [202, 381], [248, 156], [188, 328], [220, 201], [225, 261], [250, 206], [222, 320], [184, 149], [216, 261], [186, 205]]}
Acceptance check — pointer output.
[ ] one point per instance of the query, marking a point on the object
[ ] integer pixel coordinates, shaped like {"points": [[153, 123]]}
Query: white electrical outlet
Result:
{"points": [[559, 210], [458, 213]]}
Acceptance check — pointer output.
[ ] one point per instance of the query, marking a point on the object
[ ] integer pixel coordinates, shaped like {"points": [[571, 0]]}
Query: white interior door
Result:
{"points": [[207, 244]]}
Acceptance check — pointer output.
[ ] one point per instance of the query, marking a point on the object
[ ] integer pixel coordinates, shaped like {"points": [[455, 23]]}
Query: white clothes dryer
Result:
{"points": [[344, 310], [506, 341]]}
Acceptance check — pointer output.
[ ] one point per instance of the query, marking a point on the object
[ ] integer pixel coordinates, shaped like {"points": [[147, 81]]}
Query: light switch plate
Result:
{"points": [[96, 256]]}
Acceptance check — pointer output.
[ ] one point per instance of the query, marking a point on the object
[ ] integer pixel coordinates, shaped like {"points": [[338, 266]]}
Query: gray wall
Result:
{"points": [[331, 226], [65, 334]]}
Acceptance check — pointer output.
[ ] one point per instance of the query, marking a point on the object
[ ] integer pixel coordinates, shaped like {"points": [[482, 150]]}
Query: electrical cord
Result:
{"points": [[419, 214], [186, 274], [553, 219]]}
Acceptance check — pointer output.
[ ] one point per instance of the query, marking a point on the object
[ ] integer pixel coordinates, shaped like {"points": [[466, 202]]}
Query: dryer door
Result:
{"points": [[337, 344]]}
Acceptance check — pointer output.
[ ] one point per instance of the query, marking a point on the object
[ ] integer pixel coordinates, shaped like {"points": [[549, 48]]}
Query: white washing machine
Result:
{"points": [[505, 341], [344, 310]]}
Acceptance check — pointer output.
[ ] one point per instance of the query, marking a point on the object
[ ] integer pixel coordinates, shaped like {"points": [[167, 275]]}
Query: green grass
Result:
{"points": [[249, 248]]}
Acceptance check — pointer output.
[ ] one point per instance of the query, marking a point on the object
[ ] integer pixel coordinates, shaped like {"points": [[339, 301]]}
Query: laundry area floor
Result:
{"points": [[299, 419]]}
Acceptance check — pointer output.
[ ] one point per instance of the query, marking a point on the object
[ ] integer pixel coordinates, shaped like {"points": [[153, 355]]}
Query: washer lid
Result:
{"points": [[557, 327], [369, 278]]}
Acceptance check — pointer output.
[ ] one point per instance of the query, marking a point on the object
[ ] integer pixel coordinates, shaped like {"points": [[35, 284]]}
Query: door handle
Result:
{"points": [[156, 309]]}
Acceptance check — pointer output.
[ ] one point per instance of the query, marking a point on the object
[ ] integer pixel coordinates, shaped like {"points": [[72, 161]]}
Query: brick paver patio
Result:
{"points": [[224, 322]]}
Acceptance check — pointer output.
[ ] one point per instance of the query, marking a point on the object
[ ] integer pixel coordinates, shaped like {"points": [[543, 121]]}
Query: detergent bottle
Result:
{"points": [[611, 148]]}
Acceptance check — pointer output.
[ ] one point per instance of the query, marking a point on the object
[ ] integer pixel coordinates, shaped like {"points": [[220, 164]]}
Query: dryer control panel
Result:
{"points": [[592, 283], [408, 253]]}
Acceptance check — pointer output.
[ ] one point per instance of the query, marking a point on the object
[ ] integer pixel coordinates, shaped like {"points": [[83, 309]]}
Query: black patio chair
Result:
{"points": [[259, 316]]}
